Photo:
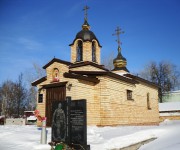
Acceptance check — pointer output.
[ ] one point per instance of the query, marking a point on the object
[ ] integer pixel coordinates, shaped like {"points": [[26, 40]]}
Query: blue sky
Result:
{"points": [[34, 31]]}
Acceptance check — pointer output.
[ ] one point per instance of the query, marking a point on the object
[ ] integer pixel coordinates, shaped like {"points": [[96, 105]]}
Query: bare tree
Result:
{"points": [[31, 98], [21, 95], [30, 75], [39, 71], [108, 61], [13, 97], [34, 73], [7, 98], [164, 74]]}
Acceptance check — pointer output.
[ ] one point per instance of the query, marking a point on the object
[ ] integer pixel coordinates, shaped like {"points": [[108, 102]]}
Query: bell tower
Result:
{"points": [[85, 46], [119, 62]]}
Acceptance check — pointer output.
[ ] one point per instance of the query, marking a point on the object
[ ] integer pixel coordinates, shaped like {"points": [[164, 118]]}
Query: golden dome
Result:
{"points": [[120, 62]]}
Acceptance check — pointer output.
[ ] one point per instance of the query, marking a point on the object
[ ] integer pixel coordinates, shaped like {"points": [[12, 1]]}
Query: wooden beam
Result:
{"points": [[75, 76]]}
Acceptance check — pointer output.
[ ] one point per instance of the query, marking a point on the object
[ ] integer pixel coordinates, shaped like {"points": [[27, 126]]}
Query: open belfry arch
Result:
{"points": [[113, 97]]}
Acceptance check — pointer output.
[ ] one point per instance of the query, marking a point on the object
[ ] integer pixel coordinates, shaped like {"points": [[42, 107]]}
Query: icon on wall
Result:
{"points": [[55, 75]]}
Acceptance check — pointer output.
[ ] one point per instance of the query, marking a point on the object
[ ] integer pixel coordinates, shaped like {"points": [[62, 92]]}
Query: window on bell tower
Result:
{"points": [[79, 50], [94, 51]]}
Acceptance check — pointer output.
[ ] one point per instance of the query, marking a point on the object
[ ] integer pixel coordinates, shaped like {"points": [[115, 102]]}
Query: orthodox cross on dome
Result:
{"points": [[85, 12], [118, 31]]}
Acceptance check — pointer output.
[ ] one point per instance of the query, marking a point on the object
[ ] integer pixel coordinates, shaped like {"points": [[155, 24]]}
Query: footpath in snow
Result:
{"points": [[100, 138]]}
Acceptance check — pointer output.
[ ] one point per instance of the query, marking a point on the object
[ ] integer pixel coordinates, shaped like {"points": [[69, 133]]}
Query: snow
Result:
{"points": [[31, 118], [170, 114], [21, 137], [1, 117], [169, 106], [169, 140], [177, 91], [100, 138], [121, 73]]}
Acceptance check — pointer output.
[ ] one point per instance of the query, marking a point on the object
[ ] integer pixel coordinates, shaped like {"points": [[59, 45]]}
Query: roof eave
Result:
{"points": [[85, 41], [85, 63], [136, 78], [35, 83], [57, 60]]}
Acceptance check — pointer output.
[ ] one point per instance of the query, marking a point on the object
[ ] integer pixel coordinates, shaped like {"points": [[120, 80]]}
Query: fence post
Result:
{"points": [[43, 133]]}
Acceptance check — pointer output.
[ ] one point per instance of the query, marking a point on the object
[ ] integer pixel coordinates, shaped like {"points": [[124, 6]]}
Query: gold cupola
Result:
{"points": [[119, 62]]}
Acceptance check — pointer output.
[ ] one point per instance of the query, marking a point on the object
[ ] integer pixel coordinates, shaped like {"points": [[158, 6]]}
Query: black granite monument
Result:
{"points": [[78, 125], [69, 123]]}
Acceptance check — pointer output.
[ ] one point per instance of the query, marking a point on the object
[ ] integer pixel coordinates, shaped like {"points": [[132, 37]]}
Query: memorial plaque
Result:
{"points": [[78, 125], [59, 121]]}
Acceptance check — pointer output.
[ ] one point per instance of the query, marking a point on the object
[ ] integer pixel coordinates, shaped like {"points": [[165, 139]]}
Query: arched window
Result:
{"points": [[79, 50], [94, 51]]}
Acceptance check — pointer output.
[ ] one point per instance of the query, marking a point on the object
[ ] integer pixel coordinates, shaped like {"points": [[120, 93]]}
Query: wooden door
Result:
{"points": [[53, 94]]}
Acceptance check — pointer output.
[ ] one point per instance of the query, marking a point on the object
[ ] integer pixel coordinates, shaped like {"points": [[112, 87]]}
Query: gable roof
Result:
{"points": [[123, 78], [136, 78], [129, 78], [57, 60], [107, 73], [36, 82], [85, 63]]}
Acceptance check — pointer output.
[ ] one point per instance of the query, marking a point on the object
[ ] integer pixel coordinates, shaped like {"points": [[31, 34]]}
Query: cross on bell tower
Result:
{"points": [[85, 12], [117, 33], [86, 25]]}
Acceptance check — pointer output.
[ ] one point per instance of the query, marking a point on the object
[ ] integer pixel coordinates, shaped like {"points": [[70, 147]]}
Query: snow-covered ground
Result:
{"points": [[104, 138], [169, 106]]}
